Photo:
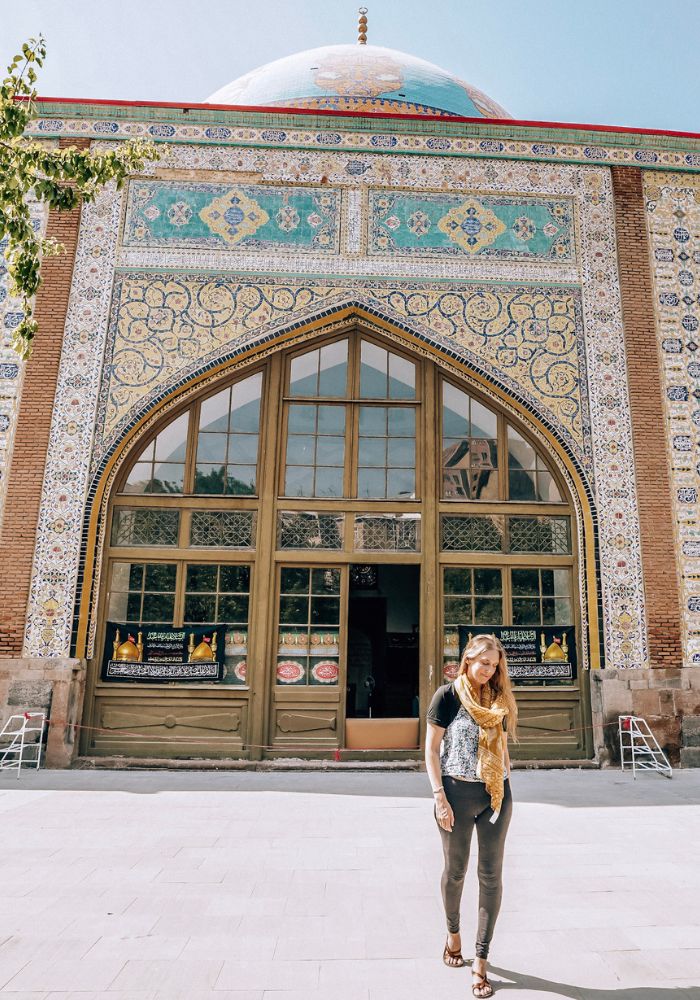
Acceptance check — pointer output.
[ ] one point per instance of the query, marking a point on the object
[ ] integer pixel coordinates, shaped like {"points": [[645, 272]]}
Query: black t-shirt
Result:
{"points": [[444, 706]]}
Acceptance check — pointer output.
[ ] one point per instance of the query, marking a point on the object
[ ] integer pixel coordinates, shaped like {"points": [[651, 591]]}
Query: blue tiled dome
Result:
{"points": [[364, 78]]}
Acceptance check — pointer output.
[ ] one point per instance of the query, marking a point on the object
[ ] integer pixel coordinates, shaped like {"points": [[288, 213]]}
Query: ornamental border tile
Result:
{"points": [[58, 562], [673, 223]]}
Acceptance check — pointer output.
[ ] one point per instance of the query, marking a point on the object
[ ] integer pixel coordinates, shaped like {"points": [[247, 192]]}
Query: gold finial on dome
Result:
{"points": [[362, 27]]}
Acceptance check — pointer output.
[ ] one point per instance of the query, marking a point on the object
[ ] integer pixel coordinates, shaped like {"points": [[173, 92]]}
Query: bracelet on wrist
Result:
{"points": [[436, 791]]}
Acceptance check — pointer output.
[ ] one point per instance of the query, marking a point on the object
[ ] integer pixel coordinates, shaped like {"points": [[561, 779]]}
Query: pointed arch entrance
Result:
{"points": [[334, 513]]}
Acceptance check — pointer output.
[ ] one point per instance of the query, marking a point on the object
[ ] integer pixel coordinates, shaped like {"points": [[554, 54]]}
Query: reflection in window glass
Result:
{"points": [[323, 372], [142, 593], [227, 441], [315, 462], [469, 447], [386, 453], [541, 596], [220, 595], [160, 468], [529, 478], [385, 375], [309, 626], [471, 596]]}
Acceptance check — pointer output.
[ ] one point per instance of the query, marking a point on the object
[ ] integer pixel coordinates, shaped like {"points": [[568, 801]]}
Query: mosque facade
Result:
{"points": [[361, 366]]}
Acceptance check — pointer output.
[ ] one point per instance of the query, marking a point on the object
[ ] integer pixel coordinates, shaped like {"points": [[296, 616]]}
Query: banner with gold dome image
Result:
{"points": [[158, 653], [538, 654]]}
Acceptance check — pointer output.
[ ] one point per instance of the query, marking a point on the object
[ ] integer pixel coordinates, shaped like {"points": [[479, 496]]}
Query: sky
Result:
{"points": [[607, 62]]}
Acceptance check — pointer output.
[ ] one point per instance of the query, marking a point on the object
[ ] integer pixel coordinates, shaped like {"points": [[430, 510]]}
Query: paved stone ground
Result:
{"points": [[324, 886]]}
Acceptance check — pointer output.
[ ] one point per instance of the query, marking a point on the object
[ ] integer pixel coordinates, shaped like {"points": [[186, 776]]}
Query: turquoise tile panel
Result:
{"points": [[239, 217], [471, 225]]}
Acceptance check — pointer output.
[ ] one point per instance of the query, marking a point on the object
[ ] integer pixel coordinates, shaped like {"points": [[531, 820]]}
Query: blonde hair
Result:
{"points": [[500, 682]]}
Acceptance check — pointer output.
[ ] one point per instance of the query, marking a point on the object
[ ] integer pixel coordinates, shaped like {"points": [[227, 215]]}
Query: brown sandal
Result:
{"points": [[453, 959], [481, 985]]}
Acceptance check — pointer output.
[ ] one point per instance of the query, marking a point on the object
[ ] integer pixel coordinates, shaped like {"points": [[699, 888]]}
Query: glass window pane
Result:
{"points": [[487, 581], [300, 449], [234, 579], [484, 422], [240, 480], [373, 371], [302, 419], [458, 581], [458, 610], [121, 573], [212, 448], [562, 583], [325, 581], [372, 452], [484, 484], [331, 420], [521, 454], [160, 576], [547, 489], [233, 609], [158, 608], [333, 375], [299, 481], [455, 412], [402, 421], [526, 611], [171, 443], [330, 451], [118, 607], [304, 374], [245, 404], [522, 485], [483, 453], [133, 608], [167, 479], [135, 575], [201, 578], [329, 482], [371, 483], [209, 479], [213, 412], [562, 612], [547, 611], [200, 608], [139, 478], [294, 610], [402, 378], [488, 611], [325, 610], [373, 421], [525, 581], [402, 452], [401, 484], [243, 449], [547, 582], [294, 580]]}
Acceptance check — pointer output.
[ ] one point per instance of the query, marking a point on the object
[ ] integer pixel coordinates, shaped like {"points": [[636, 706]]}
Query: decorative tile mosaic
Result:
{"points": [[673, 219], [311, 132], [165, 327], [254, 217], [510, 228], [11, 368], [601, 359]]}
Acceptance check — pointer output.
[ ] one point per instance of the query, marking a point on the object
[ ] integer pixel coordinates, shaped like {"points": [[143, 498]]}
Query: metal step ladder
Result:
{"points": [[639, 747], [21, 741]]}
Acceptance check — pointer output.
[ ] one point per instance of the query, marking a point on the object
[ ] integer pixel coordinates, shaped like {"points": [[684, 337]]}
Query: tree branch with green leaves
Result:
{"points": [[34, 171]]}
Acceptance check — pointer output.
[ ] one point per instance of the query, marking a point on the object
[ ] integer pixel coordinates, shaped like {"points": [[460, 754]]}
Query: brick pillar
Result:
{"points": [[649, 427], [26, 473]]}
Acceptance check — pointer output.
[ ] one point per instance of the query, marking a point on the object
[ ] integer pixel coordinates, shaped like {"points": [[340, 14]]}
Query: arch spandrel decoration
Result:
{"points": [[346, 320], [165, 328]]}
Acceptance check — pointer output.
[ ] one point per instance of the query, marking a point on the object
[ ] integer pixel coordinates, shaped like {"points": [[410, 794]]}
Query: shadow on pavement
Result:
{"points": [[521, 981]]}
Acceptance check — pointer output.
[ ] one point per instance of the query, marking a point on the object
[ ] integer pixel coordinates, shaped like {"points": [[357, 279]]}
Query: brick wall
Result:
{"points": [[649, 428], [34, 423]]}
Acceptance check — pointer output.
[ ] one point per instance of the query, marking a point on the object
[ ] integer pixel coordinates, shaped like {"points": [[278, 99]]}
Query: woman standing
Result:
{"points": [[467, 760]]}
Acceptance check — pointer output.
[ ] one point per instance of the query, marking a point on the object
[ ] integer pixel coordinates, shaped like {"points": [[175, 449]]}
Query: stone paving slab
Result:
{"points": [[157, 885]]}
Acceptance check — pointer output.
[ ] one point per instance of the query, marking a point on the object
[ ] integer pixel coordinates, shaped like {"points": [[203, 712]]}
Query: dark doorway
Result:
{"points": [[383, 642]]}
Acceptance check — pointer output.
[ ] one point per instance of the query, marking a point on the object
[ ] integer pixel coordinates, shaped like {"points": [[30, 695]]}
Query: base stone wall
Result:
{"points": [[55, 686], [664, 697]]}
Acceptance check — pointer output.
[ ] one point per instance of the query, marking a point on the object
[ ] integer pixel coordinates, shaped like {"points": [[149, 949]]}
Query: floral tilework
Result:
{"points": [[507, 227], [673, 220], [498, 314], [254, 217]]}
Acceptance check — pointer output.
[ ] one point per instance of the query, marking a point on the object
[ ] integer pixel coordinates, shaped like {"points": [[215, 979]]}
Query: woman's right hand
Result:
{"points": [[443, 812]]}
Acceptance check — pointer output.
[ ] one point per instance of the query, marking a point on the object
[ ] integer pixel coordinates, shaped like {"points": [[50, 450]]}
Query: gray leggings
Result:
{"points": [[472, 808]]}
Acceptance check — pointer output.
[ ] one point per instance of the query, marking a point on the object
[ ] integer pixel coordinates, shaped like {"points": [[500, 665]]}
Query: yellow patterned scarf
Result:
{"points": [[490, 758]]}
